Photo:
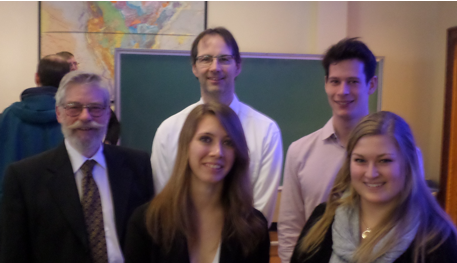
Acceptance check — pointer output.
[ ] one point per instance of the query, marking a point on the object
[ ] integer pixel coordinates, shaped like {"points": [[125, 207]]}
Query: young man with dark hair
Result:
{"points": [[313, 161], [29, 127], [216, 63]]}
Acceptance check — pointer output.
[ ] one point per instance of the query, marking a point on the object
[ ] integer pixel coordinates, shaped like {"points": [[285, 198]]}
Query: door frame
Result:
{"points": [[447, 195]]}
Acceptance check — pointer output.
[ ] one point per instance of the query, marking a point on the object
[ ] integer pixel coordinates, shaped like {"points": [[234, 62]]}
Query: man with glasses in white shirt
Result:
{"points": [[216, 62]]}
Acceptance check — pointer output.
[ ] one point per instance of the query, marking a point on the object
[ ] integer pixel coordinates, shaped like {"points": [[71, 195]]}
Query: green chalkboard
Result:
{"points": [[152, 85]]}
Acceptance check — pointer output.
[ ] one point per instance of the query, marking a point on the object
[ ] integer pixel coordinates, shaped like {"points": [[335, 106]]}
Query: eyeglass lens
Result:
{"points": [[75, 109], [208, 59]]}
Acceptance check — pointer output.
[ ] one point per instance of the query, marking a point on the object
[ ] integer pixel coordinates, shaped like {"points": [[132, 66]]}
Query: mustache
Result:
{"points": [[89, 125]]}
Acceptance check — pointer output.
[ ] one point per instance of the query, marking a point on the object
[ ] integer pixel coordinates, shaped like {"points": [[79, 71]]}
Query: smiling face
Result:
{"points": [[217, 81], [348, 90], [84, 131], [377, 170], [211, 152]]}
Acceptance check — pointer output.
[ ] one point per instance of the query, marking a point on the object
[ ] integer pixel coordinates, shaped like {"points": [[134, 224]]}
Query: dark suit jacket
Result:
{"points": [[446, 253], [41, 213], [140, 248]]}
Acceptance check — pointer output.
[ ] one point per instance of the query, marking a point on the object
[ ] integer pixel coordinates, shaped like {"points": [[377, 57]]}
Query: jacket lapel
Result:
{"points": [[62, 186], [120, 177]]}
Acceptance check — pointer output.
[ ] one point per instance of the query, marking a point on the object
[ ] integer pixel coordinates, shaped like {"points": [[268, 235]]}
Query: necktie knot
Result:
{"points": [[88, 166]]}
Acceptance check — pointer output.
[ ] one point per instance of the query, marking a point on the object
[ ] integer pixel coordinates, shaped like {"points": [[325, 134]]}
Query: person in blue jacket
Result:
{"points": [[30, 126]]}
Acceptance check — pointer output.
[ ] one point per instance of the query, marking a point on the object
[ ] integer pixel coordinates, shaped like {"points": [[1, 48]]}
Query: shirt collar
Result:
{"points": [[77, 159], [328, 131], [235, 105]]}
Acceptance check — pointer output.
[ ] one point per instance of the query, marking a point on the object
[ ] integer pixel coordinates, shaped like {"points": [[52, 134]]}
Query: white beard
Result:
{"points": [[84, 145]]}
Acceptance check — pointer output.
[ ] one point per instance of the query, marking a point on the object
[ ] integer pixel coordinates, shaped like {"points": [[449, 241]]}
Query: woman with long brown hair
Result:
{"points": [[380, 208], [205, 212]]}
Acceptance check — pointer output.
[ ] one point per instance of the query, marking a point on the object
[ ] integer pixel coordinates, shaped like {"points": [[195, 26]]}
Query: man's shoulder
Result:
{"points": [[37, 162], [176, 120], [127, 162], [257, 117], [9, 111], [5, 114], [33, 110], [126, 152], [307, 141]]}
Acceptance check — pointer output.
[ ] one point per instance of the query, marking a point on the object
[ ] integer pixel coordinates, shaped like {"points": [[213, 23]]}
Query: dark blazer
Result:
{"points": [[446, 253], [41, 213], [140, 248]]}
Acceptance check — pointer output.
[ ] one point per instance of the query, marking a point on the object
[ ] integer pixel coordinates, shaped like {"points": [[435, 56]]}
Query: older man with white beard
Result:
{"points": [[72, 203]]}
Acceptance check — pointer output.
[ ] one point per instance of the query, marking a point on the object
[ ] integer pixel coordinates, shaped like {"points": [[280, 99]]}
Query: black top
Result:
{"points": [[140, 248], [446, 253], [114, 130]]}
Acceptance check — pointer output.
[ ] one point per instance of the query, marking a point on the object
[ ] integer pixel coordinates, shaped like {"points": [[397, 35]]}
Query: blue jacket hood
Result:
{"points": [[37, 105]]}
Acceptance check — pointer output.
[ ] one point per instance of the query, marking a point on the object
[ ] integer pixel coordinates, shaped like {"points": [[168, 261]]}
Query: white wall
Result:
{"points": [[18, 49], [267, 26], [406, 33], [281, 27], [411, 36]]}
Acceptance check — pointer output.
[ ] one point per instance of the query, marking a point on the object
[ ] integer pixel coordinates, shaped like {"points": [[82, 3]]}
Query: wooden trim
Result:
{"points": [[447, 195]]}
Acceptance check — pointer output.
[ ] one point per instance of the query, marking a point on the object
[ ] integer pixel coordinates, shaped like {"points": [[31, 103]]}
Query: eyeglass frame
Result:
{"points": [[82, 106], [218, 57]]}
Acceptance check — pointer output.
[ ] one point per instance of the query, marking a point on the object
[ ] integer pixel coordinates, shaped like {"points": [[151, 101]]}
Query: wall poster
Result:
{"points": [[92, 30]]}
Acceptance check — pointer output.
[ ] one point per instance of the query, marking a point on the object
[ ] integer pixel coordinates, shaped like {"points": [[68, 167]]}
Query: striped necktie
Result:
{"points": [[92, 209]]}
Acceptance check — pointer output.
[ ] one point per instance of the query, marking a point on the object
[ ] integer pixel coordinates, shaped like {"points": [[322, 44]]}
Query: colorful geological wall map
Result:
{"points": [[92, 30]]}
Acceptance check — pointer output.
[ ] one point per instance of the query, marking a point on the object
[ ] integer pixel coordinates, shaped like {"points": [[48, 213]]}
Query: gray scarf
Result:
{"points": [[346, 237]]}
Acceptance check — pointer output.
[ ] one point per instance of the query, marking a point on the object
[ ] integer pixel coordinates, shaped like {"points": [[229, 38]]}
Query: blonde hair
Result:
{"points": [[414, 201], [170, 215]]}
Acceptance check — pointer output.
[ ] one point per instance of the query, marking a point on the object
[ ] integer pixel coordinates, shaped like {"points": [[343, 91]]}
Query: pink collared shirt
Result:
{"points": [[312, 163]]}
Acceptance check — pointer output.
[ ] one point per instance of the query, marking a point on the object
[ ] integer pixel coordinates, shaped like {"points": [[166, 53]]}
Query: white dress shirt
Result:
{"points": [[265, 151], [217, 257], [100, 174]]}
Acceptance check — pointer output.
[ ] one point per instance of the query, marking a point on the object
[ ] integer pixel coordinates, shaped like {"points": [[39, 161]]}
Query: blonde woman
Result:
{"points": [[204, 214], [380, 208]]}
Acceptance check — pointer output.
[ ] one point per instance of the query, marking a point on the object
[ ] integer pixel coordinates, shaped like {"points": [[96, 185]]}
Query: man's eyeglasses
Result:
{"points": [[74, 63], [207, 60], [73, 109]]}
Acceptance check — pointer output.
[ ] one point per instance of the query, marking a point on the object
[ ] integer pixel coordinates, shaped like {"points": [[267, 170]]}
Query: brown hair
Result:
{"points": [[51, 70], [169, 216], [225, 34], [415, 201], [351, 48]]}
